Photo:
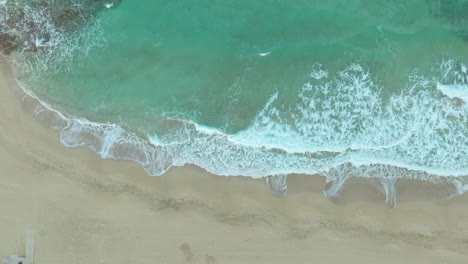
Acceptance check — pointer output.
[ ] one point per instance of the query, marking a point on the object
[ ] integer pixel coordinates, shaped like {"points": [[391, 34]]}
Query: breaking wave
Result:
{"points": [[341, 125], [420, 133]]}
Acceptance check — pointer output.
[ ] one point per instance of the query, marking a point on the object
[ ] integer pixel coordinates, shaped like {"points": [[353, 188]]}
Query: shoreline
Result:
{"points": [[440, 187], [114, 140], [85, 209]]}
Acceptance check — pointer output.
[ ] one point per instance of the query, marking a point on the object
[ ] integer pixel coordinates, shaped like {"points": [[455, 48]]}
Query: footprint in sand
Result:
{"points": [[188, 254], [210, 260]]}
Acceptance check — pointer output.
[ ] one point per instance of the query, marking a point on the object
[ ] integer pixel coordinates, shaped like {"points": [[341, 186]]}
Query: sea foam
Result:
{"points": [[418, 133], [341, 125]]}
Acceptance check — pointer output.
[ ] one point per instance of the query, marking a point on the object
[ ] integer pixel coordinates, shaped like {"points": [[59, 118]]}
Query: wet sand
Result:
{"points": [[88, 210]]}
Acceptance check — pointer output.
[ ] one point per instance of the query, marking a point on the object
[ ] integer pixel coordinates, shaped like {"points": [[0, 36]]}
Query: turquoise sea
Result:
{"points": [[343, 88]]}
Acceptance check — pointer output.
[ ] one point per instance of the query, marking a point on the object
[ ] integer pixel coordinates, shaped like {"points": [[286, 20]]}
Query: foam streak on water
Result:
{"points": [[419, 133], [340, 120]]}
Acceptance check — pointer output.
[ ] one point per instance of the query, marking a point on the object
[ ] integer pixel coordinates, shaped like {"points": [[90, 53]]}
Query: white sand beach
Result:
{"points": [[88, 210]]}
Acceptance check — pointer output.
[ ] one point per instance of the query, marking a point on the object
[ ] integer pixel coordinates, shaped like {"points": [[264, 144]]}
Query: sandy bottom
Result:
{"points": [[88, 210]]}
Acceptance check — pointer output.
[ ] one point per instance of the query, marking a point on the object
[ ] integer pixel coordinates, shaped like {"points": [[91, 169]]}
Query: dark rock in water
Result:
{"points": [[8, 43], [453, 12], [31, 25], [464, 33]]}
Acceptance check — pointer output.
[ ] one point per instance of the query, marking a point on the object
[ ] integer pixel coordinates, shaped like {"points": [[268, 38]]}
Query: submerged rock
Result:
{"points": [[31, 25]]}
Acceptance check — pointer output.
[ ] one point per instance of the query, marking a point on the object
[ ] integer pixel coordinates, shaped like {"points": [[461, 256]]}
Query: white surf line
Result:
{"points": [[263, 54], [454, 90], [109, 5]]}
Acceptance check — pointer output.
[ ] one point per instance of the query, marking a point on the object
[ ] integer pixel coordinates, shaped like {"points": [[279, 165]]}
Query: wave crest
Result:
{"points": [[340, 126], [417, 134]]}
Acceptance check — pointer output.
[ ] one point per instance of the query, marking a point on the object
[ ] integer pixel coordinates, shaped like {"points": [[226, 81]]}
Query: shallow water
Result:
{"points": [[344, 88]]}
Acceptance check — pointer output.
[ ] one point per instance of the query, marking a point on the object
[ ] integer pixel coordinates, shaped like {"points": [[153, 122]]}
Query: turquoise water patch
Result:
{"points": [[344, 88], [201, 60]]}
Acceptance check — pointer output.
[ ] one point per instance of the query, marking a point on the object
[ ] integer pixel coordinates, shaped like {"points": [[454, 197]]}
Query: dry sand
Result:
{"points": [[87, 210]]}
